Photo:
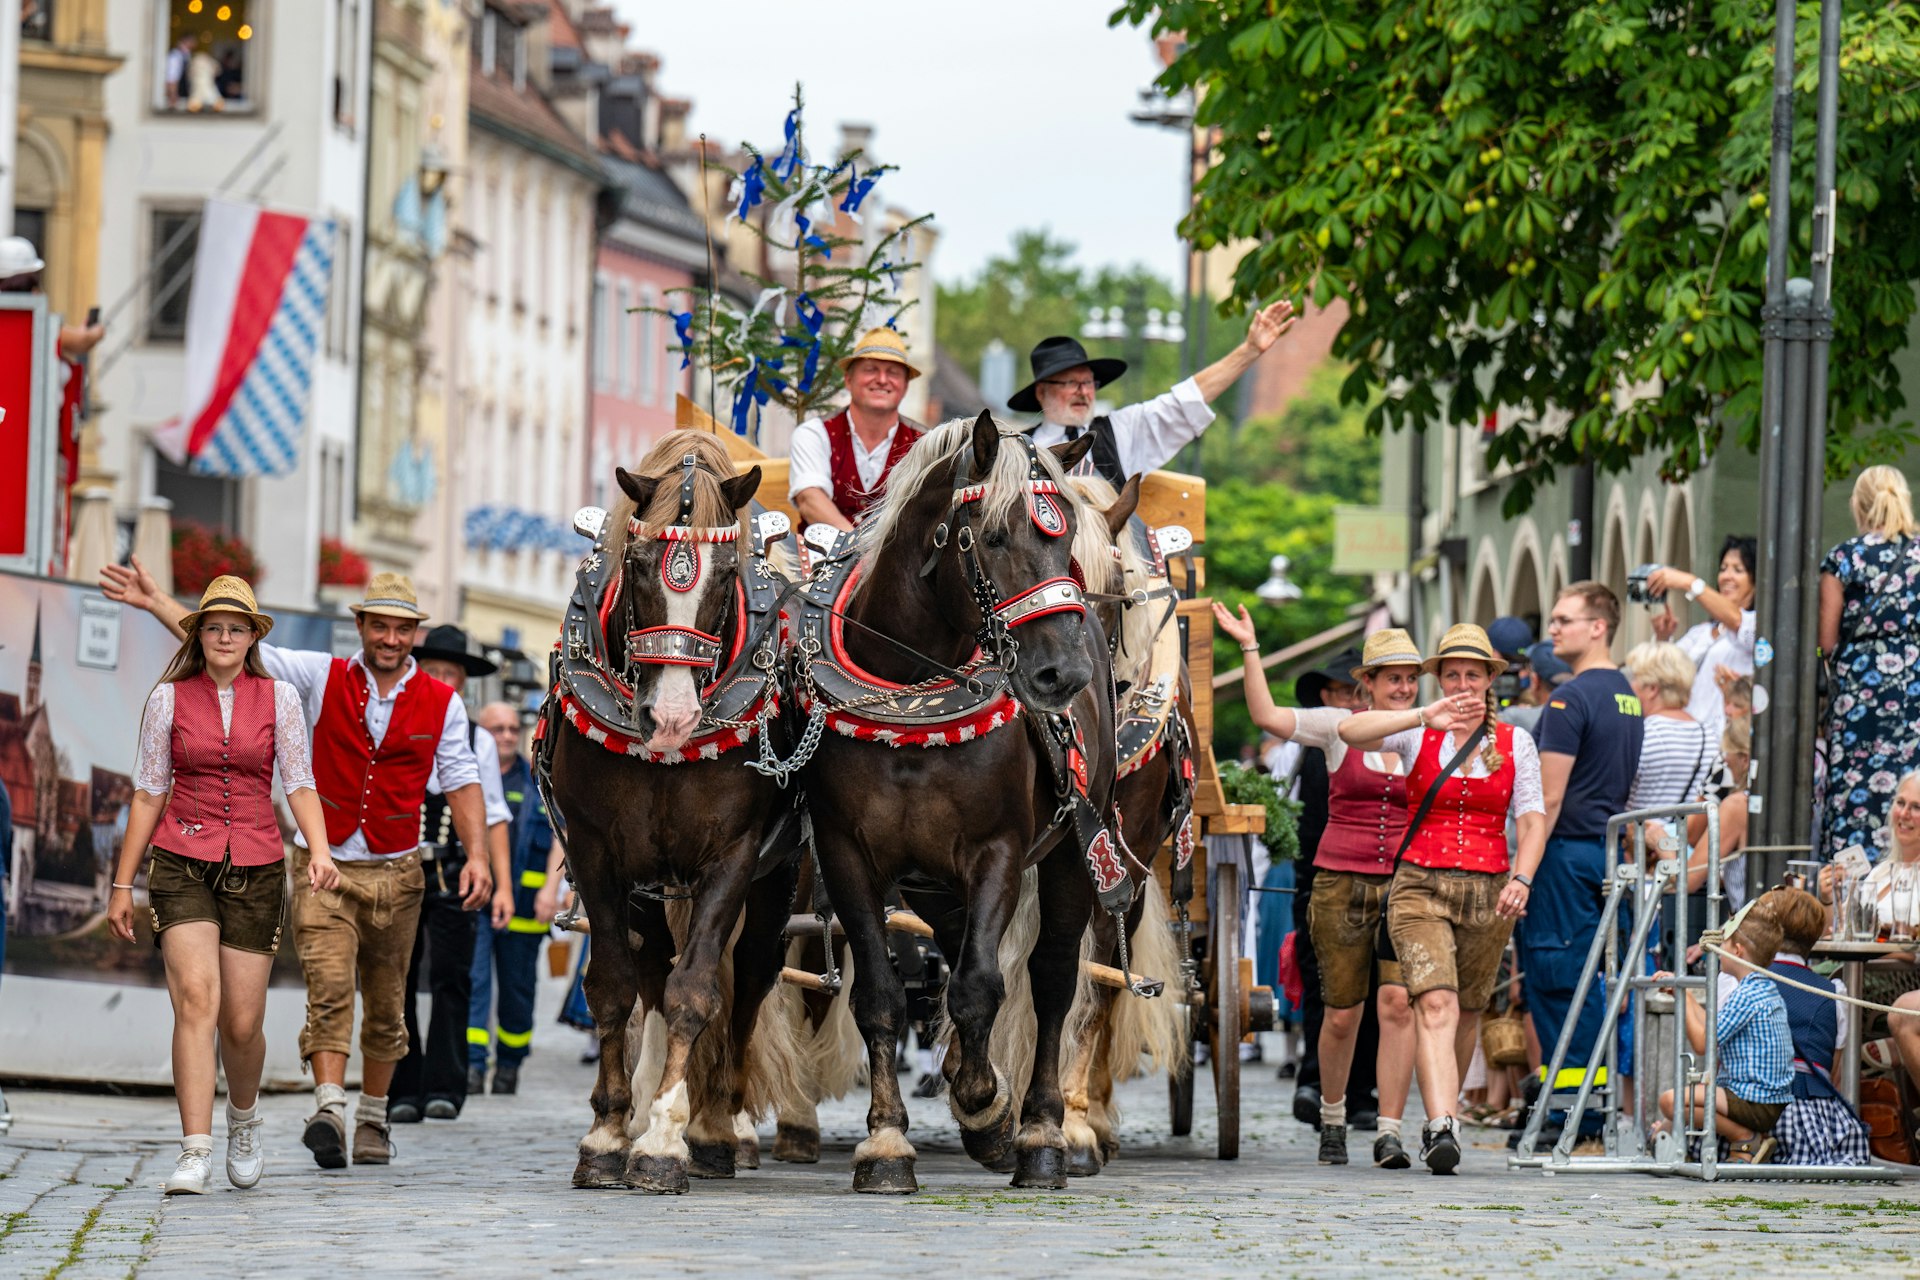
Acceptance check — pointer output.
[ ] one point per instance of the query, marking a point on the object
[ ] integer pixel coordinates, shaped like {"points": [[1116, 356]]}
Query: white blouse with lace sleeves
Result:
{"points": [[1527, 794], [292, 751]]}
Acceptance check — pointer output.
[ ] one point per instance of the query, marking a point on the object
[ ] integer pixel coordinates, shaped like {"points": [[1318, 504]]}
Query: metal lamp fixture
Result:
{"points": [[1278, 589]]}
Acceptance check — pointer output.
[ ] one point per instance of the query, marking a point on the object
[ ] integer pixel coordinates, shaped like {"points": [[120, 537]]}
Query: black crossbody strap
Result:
{"points": [[1447, 770]]}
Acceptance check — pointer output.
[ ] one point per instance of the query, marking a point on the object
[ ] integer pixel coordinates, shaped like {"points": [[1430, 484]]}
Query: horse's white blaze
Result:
{"points": [[676, 696], [666, 1134]]}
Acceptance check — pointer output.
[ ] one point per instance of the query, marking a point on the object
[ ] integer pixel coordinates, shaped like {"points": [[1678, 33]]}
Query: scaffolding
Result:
{"points": [[1623, 973]]}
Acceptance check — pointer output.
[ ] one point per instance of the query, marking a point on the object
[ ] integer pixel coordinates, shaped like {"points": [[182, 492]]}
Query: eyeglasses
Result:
{"points": [[214, 631], [1071, 384], [1556, 621]]}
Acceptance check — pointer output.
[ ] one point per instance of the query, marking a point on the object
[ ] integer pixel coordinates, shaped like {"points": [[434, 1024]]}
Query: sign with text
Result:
{"points": [[1369, 539], [99, 637]]}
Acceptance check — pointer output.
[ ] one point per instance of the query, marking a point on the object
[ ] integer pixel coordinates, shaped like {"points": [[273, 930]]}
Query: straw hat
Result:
{"points": [[1464, 640], [1389, 648], [228, 594], [881, 344], [391, 594]]}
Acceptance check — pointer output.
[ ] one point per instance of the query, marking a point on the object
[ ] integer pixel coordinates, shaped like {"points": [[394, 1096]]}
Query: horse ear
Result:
{"points": [[1070, 452], [1123, 507], [639, 488], [739, 491], [986, 442]]}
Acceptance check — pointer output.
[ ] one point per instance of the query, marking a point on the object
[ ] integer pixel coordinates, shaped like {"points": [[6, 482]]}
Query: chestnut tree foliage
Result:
{"points": [[1558, 207]]}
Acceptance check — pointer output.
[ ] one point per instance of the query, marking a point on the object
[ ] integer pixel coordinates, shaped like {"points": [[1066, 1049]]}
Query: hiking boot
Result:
{"points": [[476, 1082], [372, 1142], [192, 1174], [442, 1109], [1388, 1153], [245, 1160], [403, 1113], [1333, 1144], [1440, 1148], [506, 1079], [326, 1137], [1306, 1104]]}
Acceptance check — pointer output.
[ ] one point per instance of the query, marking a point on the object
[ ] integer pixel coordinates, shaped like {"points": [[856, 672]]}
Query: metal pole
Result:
{"points": [[1416, 526], [1580, 554], [9, 118]]}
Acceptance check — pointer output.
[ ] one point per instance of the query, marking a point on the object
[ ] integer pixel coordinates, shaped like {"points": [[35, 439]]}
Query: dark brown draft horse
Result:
{"points": [[668, 811], [968, 563]]}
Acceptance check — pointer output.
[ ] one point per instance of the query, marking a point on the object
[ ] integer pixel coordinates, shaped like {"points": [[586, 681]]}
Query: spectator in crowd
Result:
{"points": [[1726, 638], [1590, 742], [1511, 637], [1678, 752], [1870, 632], [1455, 890], [1367, 806], [1755, 1078], [1903, 821], [1544, 673], [1817, 1127], [1736, 751]]}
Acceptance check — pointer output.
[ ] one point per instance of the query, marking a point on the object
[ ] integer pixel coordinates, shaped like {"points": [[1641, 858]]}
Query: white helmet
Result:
{"points": [[18, 257]]}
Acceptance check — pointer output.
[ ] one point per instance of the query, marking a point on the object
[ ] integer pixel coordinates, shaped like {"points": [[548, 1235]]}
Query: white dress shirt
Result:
{"points": [[810, 464], [1711, 647], [453, 759], [487, 753], [1149, 433]]}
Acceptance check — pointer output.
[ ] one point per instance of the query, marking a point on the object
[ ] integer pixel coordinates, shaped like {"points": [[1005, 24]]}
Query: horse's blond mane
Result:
{"points": [[662, 462], [1093, 547]]}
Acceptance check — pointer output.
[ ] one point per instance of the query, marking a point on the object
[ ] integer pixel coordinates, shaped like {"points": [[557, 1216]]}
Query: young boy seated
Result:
{"points": [[1755, 1067]]}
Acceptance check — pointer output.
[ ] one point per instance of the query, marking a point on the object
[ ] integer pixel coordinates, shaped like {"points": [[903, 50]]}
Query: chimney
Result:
{"points": [[855, 137]]}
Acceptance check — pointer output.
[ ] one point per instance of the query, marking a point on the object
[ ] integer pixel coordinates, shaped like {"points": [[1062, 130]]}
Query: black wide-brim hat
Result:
{"points": [[448, 643], [1338, 670], [1057, 355]]}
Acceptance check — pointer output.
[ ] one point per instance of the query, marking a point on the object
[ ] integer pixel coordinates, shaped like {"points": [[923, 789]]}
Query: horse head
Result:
{"points": [[676, 618]]}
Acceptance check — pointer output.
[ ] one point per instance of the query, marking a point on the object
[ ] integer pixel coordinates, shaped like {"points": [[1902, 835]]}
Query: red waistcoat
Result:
{"points": [[849, 495], [1467, 826], [376, 789], [222, 796], [1366, 818]]}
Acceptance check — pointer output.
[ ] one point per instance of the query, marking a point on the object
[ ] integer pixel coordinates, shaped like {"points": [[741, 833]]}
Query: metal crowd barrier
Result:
{"points": [[1624, 1136]]}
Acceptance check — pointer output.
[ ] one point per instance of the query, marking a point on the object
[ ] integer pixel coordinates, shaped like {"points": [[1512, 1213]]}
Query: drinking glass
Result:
{"points": [[1903, 887]]}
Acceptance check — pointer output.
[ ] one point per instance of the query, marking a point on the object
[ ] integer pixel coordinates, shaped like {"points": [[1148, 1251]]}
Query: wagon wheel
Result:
{"points": [[1229, 1018], [1180, 1076]]}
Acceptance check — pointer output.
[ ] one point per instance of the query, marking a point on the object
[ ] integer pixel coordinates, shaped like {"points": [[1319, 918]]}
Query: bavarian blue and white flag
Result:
{"points": [[259, 300]]}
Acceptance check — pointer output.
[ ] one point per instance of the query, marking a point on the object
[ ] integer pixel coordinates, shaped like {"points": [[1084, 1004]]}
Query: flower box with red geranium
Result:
{"points": [[202, 553], [341, 565]]}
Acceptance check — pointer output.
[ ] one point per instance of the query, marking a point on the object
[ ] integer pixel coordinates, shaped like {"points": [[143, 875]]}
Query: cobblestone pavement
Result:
{"points": [[488, 1195]]}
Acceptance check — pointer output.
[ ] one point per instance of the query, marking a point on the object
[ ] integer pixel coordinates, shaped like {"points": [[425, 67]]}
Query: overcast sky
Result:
{"points": [[1001, 114]]}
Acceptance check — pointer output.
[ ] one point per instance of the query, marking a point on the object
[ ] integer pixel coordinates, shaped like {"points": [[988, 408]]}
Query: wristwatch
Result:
{"points": [[1693, 592]]}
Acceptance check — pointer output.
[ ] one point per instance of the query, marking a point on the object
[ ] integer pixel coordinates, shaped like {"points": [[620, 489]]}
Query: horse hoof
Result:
{"points": [[1041, 1167], [1082, 1162], [603, 1172], [795, 1145], [746, 1153], [992, 1145], [710, 1159], [886, 1176], [1109, 1150], [658, 1175]]}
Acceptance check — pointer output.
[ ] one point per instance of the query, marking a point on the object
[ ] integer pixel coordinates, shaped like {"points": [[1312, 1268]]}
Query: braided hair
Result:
{"points": [[1489, 747]]}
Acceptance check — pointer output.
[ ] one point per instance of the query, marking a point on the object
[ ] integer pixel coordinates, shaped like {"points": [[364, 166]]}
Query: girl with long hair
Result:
{"points": [[214, 728]]}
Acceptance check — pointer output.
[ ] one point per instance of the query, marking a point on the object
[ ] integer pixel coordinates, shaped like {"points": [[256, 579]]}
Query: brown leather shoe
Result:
{"points": [[372, 1143], [326, 1137]]}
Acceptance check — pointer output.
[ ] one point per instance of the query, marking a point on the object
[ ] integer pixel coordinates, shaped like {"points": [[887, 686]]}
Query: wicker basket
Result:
{"points": [[1504, 1041]]}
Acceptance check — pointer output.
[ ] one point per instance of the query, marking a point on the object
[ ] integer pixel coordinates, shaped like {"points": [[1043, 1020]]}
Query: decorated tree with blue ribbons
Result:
{"points": [[787, 346]]}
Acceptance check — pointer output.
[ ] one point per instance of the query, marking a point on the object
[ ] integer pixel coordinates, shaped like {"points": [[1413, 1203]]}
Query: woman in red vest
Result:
{"points": [[214, 728], [1454, 895]]}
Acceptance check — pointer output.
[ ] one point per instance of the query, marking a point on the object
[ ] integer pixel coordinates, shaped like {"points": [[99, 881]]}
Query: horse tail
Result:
{"points": [[776, 1068], [1148, 1028], [1011, 1046], [832, 1057]]}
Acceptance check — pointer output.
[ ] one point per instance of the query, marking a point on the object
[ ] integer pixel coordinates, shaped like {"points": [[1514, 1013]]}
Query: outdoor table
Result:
{"points": [[1854, 958]]}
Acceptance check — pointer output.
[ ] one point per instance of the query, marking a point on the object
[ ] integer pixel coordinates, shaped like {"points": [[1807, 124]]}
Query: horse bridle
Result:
{"points": [[998, 617], [671, 646]]}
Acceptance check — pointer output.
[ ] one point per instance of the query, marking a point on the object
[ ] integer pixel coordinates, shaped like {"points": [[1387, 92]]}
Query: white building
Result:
{"points": [[271, 106]]}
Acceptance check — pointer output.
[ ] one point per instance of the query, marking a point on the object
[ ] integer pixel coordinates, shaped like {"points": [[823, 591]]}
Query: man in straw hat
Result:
{"points": [[380, 727], [1139, 437], [839, 464]]}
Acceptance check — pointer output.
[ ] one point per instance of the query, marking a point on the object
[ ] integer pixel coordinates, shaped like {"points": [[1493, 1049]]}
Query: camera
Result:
{"points": [[1637, 590], [1506, 687]]}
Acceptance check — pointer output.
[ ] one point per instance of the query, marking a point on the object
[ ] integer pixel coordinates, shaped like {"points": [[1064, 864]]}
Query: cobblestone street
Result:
{"points": [[488, 1195]]}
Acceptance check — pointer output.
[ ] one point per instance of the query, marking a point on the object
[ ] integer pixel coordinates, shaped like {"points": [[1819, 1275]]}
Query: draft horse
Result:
{"points": [[665, 671]]}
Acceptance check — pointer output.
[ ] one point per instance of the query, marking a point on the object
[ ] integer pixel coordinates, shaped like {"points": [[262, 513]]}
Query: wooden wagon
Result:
{"points": [[1215, 988]]}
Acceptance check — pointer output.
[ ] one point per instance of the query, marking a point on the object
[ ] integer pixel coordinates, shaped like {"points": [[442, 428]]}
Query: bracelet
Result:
{"points": [[1250, 648], [1420, 713], [127, 887], [1523, 878]]}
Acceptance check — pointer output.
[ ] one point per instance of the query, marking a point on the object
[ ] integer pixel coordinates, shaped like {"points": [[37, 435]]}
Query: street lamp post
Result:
{"points": [[1135, 324]]}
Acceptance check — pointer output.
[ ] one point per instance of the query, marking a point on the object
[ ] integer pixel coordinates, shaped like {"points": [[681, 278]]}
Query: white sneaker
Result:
{"points": [[191, 1174], [245, 1159]]}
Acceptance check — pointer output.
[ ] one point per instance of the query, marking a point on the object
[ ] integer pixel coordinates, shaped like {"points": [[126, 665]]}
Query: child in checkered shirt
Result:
{"points": [[1754, 1080]]}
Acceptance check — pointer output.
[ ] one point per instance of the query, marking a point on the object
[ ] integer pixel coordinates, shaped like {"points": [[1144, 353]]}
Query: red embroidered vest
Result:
{"points": [[1467, 826], [376, 789], [222, 796], [849, 495], [1366, 818]]}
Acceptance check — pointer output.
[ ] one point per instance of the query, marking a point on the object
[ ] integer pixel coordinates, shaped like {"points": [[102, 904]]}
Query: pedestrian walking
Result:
{"points": [[1455, 892], [431, 1081], [379, 726], [1590, 740], [509, 958], [1367, 819], [214, 729]]}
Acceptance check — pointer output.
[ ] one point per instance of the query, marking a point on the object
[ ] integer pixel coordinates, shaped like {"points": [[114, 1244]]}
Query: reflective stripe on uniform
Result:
{"points": [[533, 879], [520, 924], [478, 1035], [1573, 1077], [515, 1039], [515, 797]]}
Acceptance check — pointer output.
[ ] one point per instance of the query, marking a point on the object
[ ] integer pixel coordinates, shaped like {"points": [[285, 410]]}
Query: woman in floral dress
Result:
{"points": [[1870, 632]]}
